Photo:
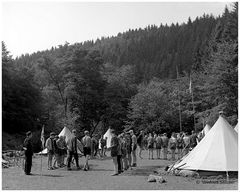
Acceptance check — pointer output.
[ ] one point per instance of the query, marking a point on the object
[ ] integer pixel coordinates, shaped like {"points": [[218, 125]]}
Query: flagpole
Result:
{"points": [[193, 105], [179, 103]]}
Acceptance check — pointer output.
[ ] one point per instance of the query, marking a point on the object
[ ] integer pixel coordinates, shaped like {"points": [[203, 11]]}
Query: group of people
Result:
{"points": [[178, 142], [58, 148], [122, 150]]}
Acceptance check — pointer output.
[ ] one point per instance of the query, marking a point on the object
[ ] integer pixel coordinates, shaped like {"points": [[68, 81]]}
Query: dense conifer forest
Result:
{"points": [[135, 80]]}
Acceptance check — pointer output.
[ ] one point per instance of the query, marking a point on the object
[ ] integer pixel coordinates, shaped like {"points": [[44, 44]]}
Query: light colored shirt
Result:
{"points": [[86, 141]]}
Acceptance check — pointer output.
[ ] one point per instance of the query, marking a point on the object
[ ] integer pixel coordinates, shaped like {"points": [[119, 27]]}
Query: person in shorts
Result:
{"points": [[150, 141], [165, 145], [179, 145], [158, 146], [86, 149], [50, 149]]}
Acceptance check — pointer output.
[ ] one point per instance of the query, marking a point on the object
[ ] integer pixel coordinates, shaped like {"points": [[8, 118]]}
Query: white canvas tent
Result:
{"points": [[217, 151], [65, 132], [109, 136], [206, 129], [236, 128]]}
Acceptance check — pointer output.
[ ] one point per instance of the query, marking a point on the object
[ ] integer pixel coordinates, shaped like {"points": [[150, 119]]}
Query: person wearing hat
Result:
{"points": [[50, 149], [87, 143], [72, 150], [134, 148], [27, 147], [165, 145]]}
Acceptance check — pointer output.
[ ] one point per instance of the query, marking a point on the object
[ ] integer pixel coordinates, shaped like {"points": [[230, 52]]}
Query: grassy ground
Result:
{"points": [[99, 178]]}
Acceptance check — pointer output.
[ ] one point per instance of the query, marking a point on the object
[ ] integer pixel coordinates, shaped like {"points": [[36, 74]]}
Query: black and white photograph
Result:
{"points": [[106, 95]]}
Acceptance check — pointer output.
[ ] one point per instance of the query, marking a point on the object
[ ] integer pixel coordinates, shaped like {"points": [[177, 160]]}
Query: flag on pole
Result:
{"points": [[42, 137]]}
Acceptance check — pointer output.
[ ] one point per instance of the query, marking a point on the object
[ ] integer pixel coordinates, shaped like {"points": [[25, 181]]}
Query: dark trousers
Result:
{"points": [[28, 164], [70, 155], [119, 163]]}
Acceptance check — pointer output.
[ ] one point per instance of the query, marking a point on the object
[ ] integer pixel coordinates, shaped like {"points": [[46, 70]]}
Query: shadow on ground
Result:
{"points": [[141, 171]]}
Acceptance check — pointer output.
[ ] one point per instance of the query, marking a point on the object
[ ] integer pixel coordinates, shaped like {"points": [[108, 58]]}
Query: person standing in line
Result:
{"points": [[193, 140], [124, 152], [72, 150], [186, 141], [158, 146], [134, 148], [96, 147], [114, 152], [173, 145], [165, 145], [140, 143], [101, 141], [200, 137], [150, 141], [56, 153], [179, 145], [119, 155], [50, 149], [129, 148], [87, 143], [145, 142], [154, 143], [93, 146], [28, 149], [61, 147]]}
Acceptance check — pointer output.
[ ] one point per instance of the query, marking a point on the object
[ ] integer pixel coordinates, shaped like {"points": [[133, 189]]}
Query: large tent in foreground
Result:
{"points": [[109, 136], [67, 133], [216, 152]]}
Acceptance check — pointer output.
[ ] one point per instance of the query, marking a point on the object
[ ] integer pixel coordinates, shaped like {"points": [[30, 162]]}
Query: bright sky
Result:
{"points": [[34, 26]]}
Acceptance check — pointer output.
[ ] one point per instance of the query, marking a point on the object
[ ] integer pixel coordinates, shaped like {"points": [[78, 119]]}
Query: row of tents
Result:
{"points": [[216, 152]]}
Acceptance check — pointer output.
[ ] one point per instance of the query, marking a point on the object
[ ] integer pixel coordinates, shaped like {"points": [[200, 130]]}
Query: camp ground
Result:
{"points": [[119, 95]]}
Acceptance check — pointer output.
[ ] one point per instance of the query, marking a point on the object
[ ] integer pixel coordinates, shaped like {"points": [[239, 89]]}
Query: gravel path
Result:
{"points": [[99, 178]]}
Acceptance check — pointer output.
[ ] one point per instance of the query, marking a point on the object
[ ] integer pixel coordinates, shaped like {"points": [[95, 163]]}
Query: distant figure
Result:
{"points": [[186, 141], [150, 141], [50, 149], [158, 146], [124, 152], [61, 144], [57, 153], [173, 145], [119, 155], [87, 143], [193, 140], [27, 147], [134, 148], [165, 145], [179, 145], [72, 150], [102, 145], [145, 143], [114, 152], [93, 146], [200, 137], [129, 148], [140, 143]]}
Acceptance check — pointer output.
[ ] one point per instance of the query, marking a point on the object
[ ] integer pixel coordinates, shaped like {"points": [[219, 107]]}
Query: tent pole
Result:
{"points": [[227, 176]]}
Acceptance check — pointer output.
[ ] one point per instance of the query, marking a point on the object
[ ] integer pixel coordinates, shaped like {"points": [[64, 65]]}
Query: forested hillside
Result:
{"points": [[127, 81]]}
